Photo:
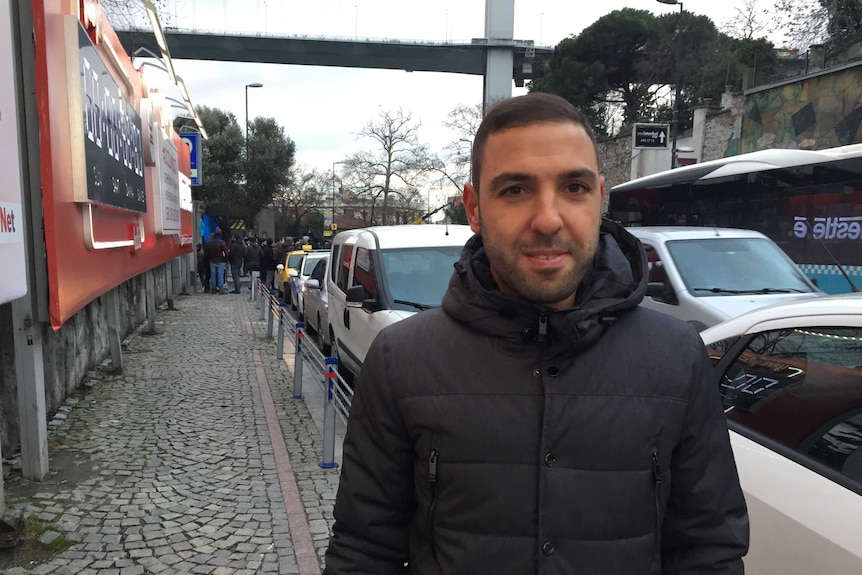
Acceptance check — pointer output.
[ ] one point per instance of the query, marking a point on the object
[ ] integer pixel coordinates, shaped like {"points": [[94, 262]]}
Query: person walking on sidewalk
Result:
{"points": [[540, 420], [215, 250], [235, 257], [203, 268], [267, 264], [253, 253]]}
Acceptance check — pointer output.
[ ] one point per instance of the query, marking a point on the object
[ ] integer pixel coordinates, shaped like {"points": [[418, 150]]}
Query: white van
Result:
{"points": [[708, 275], [380, 275]]}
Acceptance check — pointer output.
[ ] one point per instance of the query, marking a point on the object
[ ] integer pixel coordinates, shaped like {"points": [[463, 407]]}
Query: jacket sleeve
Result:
{"points": [[705, 528], [375, 499]]}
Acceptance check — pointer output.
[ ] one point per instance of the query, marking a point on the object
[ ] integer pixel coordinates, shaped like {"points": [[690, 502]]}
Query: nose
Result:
{"points": [[546, 213]]}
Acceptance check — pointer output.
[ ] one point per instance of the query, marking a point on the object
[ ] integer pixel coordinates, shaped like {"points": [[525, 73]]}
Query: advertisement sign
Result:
{"points": [[113, 147], [651, 136], [193, 141], [94, 244], [167, 190], [328, 225], [12, 258]]}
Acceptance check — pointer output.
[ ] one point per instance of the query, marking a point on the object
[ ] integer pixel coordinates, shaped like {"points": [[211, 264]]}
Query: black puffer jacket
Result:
{"points": [[496, 436]]}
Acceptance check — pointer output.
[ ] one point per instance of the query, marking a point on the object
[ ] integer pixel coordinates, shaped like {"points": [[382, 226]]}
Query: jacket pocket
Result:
{"points": [[657, 480], [433, 456]]}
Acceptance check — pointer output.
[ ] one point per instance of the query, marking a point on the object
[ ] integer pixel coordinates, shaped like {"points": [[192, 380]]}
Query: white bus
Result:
{"points": [[808, 202]]}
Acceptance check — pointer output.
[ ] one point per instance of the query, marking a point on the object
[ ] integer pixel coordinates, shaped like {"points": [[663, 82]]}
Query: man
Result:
{"points": [[235, 257], [215, 251], [539, 421]]}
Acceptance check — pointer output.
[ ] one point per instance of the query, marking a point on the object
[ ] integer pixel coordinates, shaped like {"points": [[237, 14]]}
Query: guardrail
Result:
{"points": [[338, 393]]}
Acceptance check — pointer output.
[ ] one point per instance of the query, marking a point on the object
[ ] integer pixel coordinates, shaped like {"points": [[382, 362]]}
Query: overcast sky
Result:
{"points": [[323, 108]]}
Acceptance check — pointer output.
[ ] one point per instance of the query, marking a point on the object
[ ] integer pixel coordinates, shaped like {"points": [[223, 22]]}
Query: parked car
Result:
{"points": [[298, 276], [708, 275], [292, 260], [316, 302], [380, 275], [790, 377]]}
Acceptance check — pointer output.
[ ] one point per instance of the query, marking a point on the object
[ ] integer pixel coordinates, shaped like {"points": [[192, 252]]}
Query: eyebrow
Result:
{"points": [[516, 177]]}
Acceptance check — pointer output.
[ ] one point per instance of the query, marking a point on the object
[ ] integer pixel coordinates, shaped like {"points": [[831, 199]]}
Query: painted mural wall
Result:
{"points": [[818, 112]]}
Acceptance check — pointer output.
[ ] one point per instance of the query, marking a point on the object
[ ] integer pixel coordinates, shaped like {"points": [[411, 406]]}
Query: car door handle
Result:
{"points": [[346, 318]]}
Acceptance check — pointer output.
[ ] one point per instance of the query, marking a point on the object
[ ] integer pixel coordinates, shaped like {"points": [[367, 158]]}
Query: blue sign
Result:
{"points": [[193, 141]]}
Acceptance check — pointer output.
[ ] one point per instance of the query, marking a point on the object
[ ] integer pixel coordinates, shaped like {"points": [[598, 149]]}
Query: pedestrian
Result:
{"points": [[539, 421], [215, 251], [235, 257], [267, 264], [253, 254], [203, 268]]}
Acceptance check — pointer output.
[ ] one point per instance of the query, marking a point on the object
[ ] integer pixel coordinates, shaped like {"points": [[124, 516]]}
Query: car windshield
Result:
{"points": [[310, 262], [293, 261], [417, 278], [734, 266]]}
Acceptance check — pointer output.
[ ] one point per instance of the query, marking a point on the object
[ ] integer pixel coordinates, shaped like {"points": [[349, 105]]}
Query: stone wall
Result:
{"points": [[80, 345]]}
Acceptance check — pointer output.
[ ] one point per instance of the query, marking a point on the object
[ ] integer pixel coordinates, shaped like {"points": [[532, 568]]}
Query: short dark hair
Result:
{"points": [[532, 108]]}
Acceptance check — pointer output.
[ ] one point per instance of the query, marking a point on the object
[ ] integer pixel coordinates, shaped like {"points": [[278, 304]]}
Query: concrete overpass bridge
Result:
{"points": [[409, 55]]}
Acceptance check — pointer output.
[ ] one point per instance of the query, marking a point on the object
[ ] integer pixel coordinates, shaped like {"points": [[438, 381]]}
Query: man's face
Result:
{"points": [[539, 209]]}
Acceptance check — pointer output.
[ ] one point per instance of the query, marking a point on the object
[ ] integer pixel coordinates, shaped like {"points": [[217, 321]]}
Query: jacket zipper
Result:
{"points": [[543, 328], [657, 479], [432, 480]]}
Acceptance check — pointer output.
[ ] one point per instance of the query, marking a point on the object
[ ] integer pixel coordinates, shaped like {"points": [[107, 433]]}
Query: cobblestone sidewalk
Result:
{"points": [[170, 468]]}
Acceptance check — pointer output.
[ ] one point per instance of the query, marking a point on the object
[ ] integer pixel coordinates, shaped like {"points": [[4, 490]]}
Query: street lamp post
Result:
{"points": [[677, 73], [247, 86], [333, 188]]}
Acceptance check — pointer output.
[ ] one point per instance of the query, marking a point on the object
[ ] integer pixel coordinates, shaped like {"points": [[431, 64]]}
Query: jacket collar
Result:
{"points": [[615, 283]]}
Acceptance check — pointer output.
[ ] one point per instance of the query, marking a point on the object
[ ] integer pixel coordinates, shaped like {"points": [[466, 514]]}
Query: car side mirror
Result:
{"points": [[293, 273], [661, 292], [355, 296], [312, 284]]}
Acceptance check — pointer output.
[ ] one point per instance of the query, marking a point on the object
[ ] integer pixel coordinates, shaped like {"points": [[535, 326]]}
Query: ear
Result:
{"points": [[602, 187], [471, 206]]}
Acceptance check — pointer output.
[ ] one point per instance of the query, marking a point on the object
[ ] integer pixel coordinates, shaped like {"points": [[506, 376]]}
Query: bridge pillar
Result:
{"points": [[499, 33]]}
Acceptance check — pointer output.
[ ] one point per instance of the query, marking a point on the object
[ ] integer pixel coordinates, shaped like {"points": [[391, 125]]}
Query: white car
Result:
{"points": [[790, 377], [708, 275], [381, 275], [316, 304], [299, 275]]}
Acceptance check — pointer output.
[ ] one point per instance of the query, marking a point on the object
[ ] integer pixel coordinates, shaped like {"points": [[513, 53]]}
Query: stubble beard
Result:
{"points": [[543, 288]]}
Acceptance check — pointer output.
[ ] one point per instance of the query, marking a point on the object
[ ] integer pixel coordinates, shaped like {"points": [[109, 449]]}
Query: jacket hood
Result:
{"points": [[615, 282]]}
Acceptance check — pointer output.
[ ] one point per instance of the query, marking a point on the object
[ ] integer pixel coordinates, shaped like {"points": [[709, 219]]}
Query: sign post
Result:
{"points": [[651, 136], [193, 141]]}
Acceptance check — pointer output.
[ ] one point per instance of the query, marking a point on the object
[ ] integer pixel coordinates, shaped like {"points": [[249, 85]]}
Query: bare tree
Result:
{"points": [[131, 14], [802, 22], [387, 174], [749, 21], [306, 192]]}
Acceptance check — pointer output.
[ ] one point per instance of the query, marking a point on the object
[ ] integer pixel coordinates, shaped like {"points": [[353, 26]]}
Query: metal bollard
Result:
{"points": [[331, 377], [270, 306], [264, 296], [279, 348], [298, 361], [252, 291]]}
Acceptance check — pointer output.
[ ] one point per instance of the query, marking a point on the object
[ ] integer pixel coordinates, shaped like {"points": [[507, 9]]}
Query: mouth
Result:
{"points": [[546, 259]]}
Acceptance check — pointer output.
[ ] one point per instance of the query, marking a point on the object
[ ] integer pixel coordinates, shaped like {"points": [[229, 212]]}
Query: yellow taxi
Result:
{"points": [[292, 261]]}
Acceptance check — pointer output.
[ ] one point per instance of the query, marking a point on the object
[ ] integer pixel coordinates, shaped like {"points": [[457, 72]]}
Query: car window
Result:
{"points": [[655, 265], [718, 349], [343, 271], [802, 388], [363, 272], [335, 263], [319, 271]]}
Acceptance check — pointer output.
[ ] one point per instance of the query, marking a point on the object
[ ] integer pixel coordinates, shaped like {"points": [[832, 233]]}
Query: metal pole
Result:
{"points": [[270, 306], [330, 376], [297, 361], [677, 90], [279, 348], [264, 297]]}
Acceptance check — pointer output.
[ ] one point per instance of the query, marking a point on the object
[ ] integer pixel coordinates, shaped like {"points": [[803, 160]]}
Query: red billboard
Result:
{"points": [[109, 214]]}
